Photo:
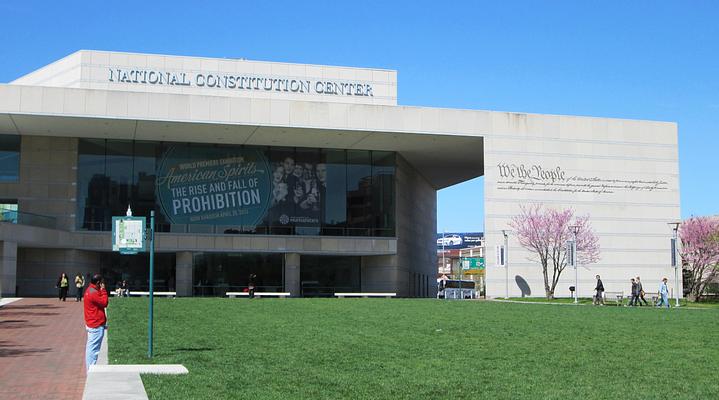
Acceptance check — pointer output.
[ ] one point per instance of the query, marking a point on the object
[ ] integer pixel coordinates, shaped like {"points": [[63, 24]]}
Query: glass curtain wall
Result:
{"points": [[322, 276], [9, 158], [215, 274], [135, 269], [300, 191]]}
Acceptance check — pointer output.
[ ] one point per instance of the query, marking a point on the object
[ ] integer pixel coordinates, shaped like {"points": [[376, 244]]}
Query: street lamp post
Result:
{"points": [[506, 263], [575, 261], [444, 266], [674, 263]]}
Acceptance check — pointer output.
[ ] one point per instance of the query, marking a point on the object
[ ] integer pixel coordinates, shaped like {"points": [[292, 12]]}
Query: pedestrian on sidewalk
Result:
{"points": [[95, 319], [663, 294], [599, 297], [641, 292], [80, 285], [63, 284]]}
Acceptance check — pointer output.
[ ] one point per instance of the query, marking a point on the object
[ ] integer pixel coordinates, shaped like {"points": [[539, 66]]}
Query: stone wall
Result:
{"points": [[412, 271], [47, 182], [39, 269]]}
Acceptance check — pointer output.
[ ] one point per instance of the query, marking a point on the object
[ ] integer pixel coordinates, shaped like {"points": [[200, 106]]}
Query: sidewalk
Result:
{"points": [[42, 350]]}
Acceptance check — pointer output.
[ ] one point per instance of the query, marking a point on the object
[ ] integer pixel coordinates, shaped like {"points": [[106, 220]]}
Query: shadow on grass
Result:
{"points": [[191, 349]]}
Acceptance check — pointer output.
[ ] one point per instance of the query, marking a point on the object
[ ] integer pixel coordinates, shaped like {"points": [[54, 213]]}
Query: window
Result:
{"points": [[359, 193], [332, 176], [8, 211], [383, 170], [301, 191], [9, 158]]}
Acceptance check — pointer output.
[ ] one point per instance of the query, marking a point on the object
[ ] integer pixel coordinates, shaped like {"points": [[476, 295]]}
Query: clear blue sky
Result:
{"points": [[654, 60]]}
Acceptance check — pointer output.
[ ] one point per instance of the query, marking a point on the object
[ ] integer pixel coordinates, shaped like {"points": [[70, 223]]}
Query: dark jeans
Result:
{"points": [[63, 293], [635, 300], [641, 298], [599, 297], [78, 295]]}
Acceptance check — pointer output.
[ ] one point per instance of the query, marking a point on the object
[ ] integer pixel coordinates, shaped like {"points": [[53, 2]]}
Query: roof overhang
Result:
{"points": [[444, 159]]}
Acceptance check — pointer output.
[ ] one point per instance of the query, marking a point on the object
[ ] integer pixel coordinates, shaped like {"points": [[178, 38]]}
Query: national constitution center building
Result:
{"points": [[311, 177]]}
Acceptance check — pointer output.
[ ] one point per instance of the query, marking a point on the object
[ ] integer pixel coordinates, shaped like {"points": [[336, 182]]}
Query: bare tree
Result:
{"points": [[545, 233]]}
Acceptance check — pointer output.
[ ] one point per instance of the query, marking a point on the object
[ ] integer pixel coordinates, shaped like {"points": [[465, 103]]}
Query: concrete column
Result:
{"points": [[292, 274], [8, 268], [382, 274], [183, 273]]}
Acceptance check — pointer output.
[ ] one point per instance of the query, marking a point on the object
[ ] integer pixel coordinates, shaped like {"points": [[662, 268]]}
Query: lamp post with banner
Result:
{"points": [[674, 262], [503, 260], [444, 265], [572, 250], [151, 319], [129, 236]]}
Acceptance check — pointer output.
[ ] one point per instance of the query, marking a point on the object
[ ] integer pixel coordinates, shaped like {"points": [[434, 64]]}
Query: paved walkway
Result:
{"points": [[42, 350]]}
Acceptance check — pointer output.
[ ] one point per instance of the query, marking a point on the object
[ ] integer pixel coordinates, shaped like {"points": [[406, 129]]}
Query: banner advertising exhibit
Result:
{"points": [[223, 186], [459, 240], [238, 187]]}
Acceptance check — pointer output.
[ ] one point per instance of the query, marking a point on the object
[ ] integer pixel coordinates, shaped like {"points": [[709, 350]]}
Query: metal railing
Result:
{"points": [[25, 218], [255, 230]]}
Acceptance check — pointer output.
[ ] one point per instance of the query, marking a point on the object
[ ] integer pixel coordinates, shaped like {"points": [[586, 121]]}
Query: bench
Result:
{"points": [[652, 297], [281, 295], [616, 297], [365, 295], [146, 294]]}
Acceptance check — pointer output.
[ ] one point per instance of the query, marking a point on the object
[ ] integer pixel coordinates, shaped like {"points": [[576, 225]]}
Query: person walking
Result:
{"points": [[663, 294], [599, 297], [63, 284], [251, 285], [635, 294], [80, 285], [640, 289], [95, 319]]}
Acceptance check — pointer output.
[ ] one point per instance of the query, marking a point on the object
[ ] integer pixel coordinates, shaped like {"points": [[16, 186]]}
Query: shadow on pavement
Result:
{"points": [[7, 349]]}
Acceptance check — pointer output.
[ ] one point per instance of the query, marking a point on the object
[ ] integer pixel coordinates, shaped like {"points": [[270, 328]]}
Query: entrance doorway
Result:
{"points": [[214, 274], [322, 276]]}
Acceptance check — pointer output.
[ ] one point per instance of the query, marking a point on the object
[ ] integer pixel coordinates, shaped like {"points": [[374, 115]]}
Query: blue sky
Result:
{"points": [[654, 60]]}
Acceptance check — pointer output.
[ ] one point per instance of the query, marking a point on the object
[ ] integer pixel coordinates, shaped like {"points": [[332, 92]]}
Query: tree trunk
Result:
{"points": [[547, 291]]}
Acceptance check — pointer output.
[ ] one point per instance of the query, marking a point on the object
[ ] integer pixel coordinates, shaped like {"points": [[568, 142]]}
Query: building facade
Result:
{"points": [[311, 177]]}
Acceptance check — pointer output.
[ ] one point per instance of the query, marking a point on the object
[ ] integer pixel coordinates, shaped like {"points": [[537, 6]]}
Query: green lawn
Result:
{"points": [[418, 349], [625, 301]]}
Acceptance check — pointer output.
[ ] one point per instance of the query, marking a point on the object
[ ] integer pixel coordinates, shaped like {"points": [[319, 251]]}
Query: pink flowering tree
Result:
{"points": [[700, 253], [545, 233]]}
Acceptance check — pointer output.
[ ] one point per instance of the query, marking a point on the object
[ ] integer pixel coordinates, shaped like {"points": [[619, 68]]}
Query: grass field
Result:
{"points": [[418, 349]]}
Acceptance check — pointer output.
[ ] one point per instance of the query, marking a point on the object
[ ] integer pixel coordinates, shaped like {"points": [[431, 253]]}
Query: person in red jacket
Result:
{"points": [[95, 303]]}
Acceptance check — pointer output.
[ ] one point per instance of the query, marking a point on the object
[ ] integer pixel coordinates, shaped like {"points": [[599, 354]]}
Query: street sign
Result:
{"points": [[472, 263], [128, 234]]}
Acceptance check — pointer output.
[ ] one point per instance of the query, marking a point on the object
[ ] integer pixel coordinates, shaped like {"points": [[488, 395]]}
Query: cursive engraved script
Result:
{"points": [[521, 177]]}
